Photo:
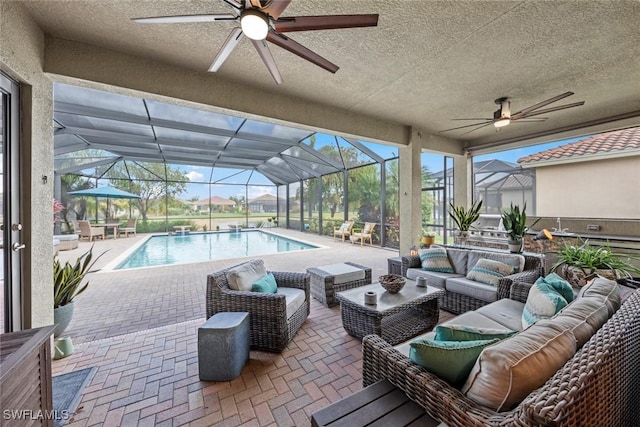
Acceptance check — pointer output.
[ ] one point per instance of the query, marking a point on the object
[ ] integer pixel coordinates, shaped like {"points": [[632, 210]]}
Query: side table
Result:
{"points": [[394, 265], [380, 404]]}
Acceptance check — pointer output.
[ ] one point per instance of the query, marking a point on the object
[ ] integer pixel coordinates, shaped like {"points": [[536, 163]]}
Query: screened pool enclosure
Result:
{"points": [[213, 170]]}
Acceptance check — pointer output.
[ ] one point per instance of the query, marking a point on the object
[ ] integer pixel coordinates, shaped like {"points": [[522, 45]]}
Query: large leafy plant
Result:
{"points": [[464, 218], [590, 258], [67, 278], [514, 221]]}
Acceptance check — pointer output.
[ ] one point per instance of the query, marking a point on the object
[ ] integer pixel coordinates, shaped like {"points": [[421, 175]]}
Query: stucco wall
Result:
{"points": [[21, 57], [595, 189]]}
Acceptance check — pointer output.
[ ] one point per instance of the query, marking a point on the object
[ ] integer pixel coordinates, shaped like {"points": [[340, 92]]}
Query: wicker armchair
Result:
{"points": [[271, 330]]}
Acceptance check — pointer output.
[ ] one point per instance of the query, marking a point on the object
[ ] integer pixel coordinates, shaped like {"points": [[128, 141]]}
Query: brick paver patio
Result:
{"points": [[139, 328]]}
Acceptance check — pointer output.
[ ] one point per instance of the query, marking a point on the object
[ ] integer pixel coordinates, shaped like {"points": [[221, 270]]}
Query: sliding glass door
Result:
{"points": [[11, 246]]}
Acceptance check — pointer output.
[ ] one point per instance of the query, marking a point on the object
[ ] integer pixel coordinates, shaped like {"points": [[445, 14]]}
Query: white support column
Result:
{"points": [[462, 180], [410, 192]]}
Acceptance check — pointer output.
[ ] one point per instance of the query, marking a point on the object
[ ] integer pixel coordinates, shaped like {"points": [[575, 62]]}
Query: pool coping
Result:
{"points": [[111, 266]]}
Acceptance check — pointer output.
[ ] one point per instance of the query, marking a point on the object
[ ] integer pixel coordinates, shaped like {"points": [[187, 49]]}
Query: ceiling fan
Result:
{"points": [[503, 116], [260, 21]]}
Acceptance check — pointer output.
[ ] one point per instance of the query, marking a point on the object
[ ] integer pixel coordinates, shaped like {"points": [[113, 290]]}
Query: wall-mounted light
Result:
{"points": [[543, 234]]}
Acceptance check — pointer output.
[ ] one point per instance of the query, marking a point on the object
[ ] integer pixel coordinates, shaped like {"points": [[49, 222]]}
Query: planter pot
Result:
{"points": [[428, 240], [62, 317], [515, 246], [461, 238], [577, 277], [574, 275]]}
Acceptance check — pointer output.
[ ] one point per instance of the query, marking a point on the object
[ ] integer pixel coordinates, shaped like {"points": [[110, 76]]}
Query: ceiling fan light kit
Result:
{"points": [[254, 24], [260, 21], [502, 116]]}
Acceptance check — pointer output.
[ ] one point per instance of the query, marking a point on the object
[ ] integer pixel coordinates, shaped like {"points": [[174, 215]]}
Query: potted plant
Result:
{"points": [[67, 284], [576, 261], [514, 221], [428, 237], [464, 218]]}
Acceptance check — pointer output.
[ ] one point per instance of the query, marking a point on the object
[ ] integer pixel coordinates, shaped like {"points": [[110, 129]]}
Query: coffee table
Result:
{"points": [[395, 317]]}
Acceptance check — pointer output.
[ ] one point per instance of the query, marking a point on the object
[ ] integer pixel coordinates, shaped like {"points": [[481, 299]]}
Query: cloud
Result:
{"points": [[195, 176]]}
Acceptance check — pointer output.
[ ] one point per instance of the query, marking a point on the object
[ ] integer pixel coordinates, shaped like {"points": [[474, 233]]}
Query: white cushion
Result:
{"points": [[343, 273], [515, 260], [242, 277], [294, 298]]}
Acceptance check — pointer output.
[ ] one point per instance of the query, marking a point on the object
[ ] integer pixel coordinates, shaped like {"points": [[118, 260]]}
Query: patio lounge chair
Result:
{"points": [[366, 233], [274, 318], [89, 231], [344, 230], [130, 228]]}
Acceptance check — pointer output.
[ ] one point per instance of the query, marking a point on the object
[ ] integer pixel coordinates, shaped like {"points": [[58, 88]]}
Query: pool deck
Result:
{"points": [[139, 327]]}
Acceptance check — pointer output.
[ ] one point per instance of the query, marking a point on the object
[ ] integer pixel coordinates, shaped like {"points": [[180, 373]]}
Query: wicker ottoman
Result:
{"points": [[328, 279], [223, 346], [67, 241]]}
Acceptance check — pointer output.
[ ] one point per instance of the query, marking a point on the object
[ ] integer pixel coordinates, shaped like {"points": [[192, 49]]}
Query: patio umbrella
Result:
{"points": [[105, 192]]}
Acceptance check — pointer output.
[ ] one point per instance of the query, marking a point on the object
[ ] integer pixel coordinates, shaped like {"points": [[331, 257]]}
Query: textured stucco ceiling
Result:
{"points": [[426, 63]]}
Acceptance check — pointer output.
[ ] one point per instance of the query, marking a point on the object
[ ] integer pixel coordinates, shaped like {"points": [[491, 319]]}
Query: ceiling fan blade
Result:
{"points": [[476, 118], [255, 3], [526, 120], [542, 104], [276, 7], [550, 110], [226, 49], [467, 126], [473, 130], [328, 22], [178, 19], [304, 53], [267, 58], [235, 3]]}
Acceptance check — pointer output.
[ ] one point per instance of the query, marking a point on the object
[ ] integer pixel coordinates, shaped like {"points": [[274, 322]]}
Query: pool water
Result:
{"points": [[196, 247]]}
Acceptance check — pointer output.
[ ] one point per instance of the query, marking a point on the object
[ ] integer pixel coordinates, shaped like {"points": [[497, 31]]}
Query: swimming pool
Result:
{"points": [[196, 247]]}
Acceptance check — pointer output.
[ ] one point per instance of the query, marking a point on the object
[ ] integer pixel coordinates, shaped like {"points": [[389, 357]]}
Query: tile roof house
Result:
{"points": [[606, 167], [204, 204], [625, 142], [264, 203]]}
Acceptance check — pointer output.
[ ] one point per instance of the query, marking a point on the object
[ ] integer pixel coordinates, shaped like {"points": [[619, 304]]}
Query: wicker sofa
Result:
{"points": [[468, 295], [598, 386], [271, 327]]}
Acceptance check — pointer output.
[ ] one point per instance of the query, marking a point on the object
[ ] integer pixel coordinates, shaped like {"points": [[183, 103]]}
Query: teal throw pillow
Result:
{"points": [[489, 271], [562, 286], [543, 302], [435, 259], [267, 285], [451, 361], [469, 333]]}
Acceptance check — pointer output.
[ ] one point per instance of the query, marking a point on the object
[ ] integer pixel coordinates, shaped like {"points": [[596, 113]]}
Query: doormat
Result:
{"points": [[67, 390]]}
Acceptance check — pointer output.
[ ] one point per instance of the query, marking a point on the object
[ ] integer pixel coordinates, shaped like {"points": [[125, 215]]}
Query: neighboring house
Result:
{"points": [[595, 177], [267, 203], [208, 205], [498, 183], [516, 188]]}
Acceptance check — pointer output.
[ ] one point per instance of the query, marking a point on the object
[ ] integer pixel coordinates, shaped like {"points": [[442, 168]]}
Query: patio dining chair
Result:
{"points": [[130, 228], [89, 231], [344, 230], [274, 317], [366, 233]]}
